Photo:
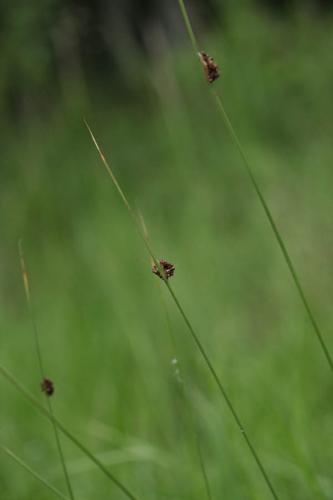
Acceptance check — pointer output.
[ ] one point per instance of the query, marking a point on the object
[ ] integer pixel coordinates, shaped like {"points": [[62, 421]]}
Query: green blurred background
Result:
{"points": [[108, 330]]}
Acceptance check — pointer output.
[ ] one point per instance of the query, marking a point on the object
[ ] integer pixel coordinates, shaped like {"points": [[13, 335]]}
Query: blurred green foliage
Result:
{"points": [[103, 326]]}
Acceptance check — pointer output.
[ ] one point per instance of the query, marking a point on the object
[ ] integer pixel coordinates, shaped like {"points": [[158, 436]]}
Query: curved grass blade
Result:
{"points": [[15, 383], [32, 472]]}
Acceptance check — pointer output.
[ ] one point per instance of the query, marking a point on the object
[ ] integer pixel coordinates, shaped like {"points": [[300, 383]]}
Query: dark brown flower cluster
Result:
{"points": [[47, 386], [210, 67], [168, 269]]}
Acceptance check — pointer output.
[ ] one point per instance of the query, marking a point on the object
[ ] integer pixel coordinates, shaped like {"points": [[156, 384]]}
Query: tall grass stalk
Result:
{"points": [[277, 234], [33, 473], [24, 392], [27, 290], [191, 330], [178, 373]]}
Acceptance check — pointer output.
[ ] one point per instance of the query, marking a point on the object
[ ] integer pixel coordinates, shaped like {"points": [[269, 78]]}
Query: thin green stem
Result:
{"points": [[223, 393], [275, 230], [188, 25], [27, 289], [262, 200], [61, 454], [19, 387], [136, 220], [184, 316], [203, 468], [32, 472]]}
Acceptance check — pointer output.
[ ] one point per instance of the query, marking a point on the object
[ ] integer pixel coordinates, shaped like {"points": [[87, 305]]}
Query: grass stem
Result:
{"points": [[193, 334], [27, 289], [276, 232], [262, 200]]}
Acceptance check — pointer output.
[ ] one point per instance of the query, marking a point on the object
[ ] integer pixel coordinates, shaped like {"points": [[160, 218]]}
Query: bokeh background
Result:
{"points": [[109, 333]]}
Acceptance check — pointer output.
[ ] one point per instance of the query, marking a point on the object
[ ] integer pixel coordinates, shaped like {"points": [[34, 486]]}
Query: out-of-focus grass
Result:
{"points": [[103, 329]]}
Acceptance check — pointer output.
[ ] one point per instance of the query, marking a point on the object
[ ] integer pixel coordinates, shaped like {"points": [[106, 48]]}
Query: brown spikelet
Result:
{"points": [[47, 386], [210, 67], [167, 267]]}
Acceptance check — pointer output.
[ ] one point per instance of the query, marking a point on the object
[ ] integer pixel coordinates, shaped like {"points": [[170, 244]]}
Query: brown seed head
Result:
{"points": [[168, 269], [210, 67], [47, 386]]}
